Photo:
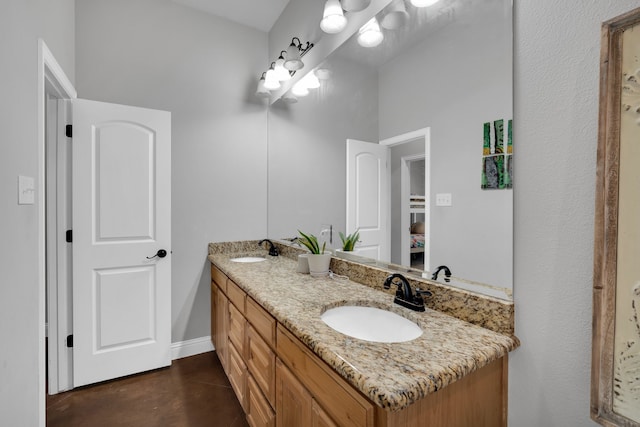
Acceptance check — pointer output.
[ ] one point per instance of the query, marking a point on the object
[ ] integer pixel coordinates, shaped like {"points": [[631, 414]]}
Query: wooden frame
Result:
{"points": [[607, 210]]}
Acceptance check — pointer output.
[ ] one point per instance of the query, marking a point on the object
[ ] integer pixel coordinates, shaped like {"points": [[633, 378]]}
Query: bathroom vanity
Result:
{"points": [[288, 368]]}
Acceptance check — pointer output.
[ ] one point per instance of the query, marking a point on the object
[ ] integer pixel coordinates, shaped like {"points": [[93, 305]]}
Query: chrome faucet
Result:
{"points": [[404, 295], [447, 273], [273, 251]]}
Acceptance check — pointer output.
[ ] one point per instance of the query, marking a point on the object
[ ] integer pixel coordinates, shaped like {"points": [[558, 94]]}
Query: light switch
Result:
{"points": [[26, 190], [443, 199]]}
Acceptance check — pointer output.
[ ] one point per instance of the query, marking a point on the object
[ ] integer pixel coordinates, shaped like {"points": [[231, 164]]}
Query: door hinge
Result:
{"points": [[70, 340], [69, 236], [68, 131]]}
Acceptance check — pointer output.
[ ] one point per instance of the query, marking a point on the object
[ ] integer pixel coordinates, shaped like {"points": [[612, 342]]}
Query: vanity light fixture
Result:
{"points": [[282, 73], [396, 17], [424, 3], [295, 52], [271, 81], [333, 19], [370, 34], [262, 91]]}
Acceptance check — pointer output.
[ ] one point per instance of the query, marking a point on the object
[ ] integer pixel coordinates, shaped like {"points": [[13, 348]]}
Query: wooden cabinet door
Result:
{"points": [[214, 301], [238, 375], [259, 413], [222, 328], [261, 362], [237, 326], [319, 418], [293, 401]]}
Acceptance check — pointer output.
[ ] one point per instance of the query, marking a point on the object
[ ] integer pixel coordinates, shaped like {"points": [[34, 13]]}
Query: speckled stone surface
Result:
{"points": [[489, 312], [392, 375]]}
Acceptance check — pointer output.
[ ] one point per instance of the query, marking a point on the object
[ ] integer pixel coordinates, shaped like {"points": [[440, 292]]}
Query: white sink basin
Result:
{"points": [[371, 324], [248, 259]]}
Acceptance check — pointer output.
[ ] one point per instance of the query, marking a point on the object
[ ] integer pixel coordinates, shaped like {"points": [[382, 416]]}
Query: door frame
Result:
{"points": [[405, 210], [424, 134], [52, 80]]}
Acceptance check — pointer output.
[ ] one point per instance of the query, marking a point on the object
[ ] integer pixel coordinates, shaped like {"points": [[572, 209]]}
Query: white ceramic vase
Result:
{"points": [[319, 264]]}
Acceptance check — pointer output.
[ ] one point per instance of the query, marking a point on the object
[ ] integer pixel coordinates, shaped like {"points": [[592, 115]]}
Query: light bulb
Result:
{"points": [[299, 89], [355, 5], [271, 82], [282, 73], [396, 17], [333, 19], [370, 35], [424, 3], [311, 81], [262, 91], [289, 98], [293, 61]]}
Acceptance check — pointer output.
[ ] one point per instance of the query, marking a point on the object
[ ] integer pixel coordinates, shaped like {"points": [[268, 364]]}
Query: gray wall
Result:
{"points": [[557, 48], [556, 92], [21, 23], [204, 70], [453, 82], [307, 150]]}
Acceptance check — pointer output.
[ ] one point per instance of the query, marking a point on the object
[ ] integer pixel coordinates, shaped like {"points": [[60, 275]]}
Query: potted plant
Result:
{"points": [[348, 244], [318, 260]]}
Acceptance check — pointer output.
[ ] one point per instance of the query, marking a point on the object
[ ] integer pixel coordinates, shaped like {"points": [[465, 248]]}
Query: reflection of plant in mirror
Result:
{"points": [[311, 242], [349, 241]]}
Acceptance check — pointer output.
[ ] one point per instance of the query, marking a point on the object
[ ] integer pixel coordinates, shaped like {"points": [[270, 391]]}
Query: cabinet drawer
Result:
{"points": [[237, 326], [338, 398], [261, 363], [236, 295], [259, 413], [262, 322], [219, 278], [237, 373]]}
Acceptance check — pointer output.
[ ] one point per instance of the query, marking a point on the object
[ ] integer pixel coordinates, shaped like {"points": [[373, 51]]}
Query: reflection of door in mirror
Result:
{"points": [[367, 197]]}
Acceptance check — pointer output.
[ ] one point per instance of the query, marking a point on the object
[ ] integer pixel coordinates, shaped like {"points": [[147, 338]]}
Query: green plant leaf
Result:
{"points": [[310, 242]]}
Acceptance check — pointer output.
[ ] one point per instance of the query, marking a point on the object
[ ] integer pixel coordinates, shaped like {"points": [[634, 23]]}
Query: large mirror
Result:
{"points": [[437, 95]]}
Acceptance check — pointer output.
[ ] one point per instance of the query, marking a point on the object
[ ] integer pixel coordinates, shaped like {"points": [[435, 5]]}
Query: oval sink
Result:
{"points": [[371, 324], [248, 259]]}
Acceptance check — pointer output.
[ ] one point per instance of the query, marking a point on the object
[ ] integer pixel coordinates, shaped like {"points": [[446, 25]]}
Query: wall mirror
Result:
{"points": [[432, 92], [615, 379]]}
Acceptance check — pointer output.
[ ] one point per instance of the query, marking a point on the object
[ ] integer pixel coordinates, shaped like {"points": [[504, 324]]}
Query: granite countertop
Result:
{"points": [[391, 375]]}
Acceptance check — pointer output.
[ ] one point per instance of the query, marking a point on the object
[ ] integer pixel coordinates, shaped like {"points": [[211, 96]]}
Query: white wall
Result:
{"points": [[204, 70], [453, 82], [21, 23], [557, 48]]}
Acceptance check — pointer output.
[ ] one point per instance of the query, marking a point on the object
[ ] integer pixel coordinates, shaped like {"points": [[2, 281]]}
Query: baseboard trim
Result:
{"points": [[192, 347]]}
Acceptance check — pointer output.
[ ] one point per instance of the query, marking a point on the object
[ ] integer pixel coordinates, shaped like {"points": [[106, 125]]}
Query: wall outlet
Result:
{"points": [[26, 190], [443, 199]]}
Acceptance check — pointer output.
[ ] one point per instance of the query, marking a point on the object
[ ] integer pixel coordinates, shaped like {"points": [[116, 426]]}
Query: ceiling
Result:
{"points": [[262, 13]]}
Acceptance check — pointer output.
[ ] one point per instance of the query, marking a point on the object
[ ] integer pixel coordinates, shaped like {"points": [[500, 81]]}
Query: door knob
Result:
{"points": [[160, 254]]}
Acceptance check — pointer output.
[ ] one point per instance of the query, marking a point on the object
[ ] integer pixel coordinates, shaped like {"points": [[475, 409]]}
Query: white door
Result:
{"points": [[368, 178], [121, 217]]}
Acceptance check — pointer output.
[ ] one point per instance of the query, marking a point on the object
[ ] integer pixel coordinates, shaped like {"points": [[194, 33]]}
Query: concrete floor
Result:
{"points": [[193, 392]]}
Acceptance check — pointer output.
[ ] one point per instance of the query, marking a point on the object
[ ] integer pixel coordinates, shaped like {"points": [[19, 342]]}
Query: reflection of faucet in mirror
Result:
{"points": [[447, 273], [273, 251]]}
